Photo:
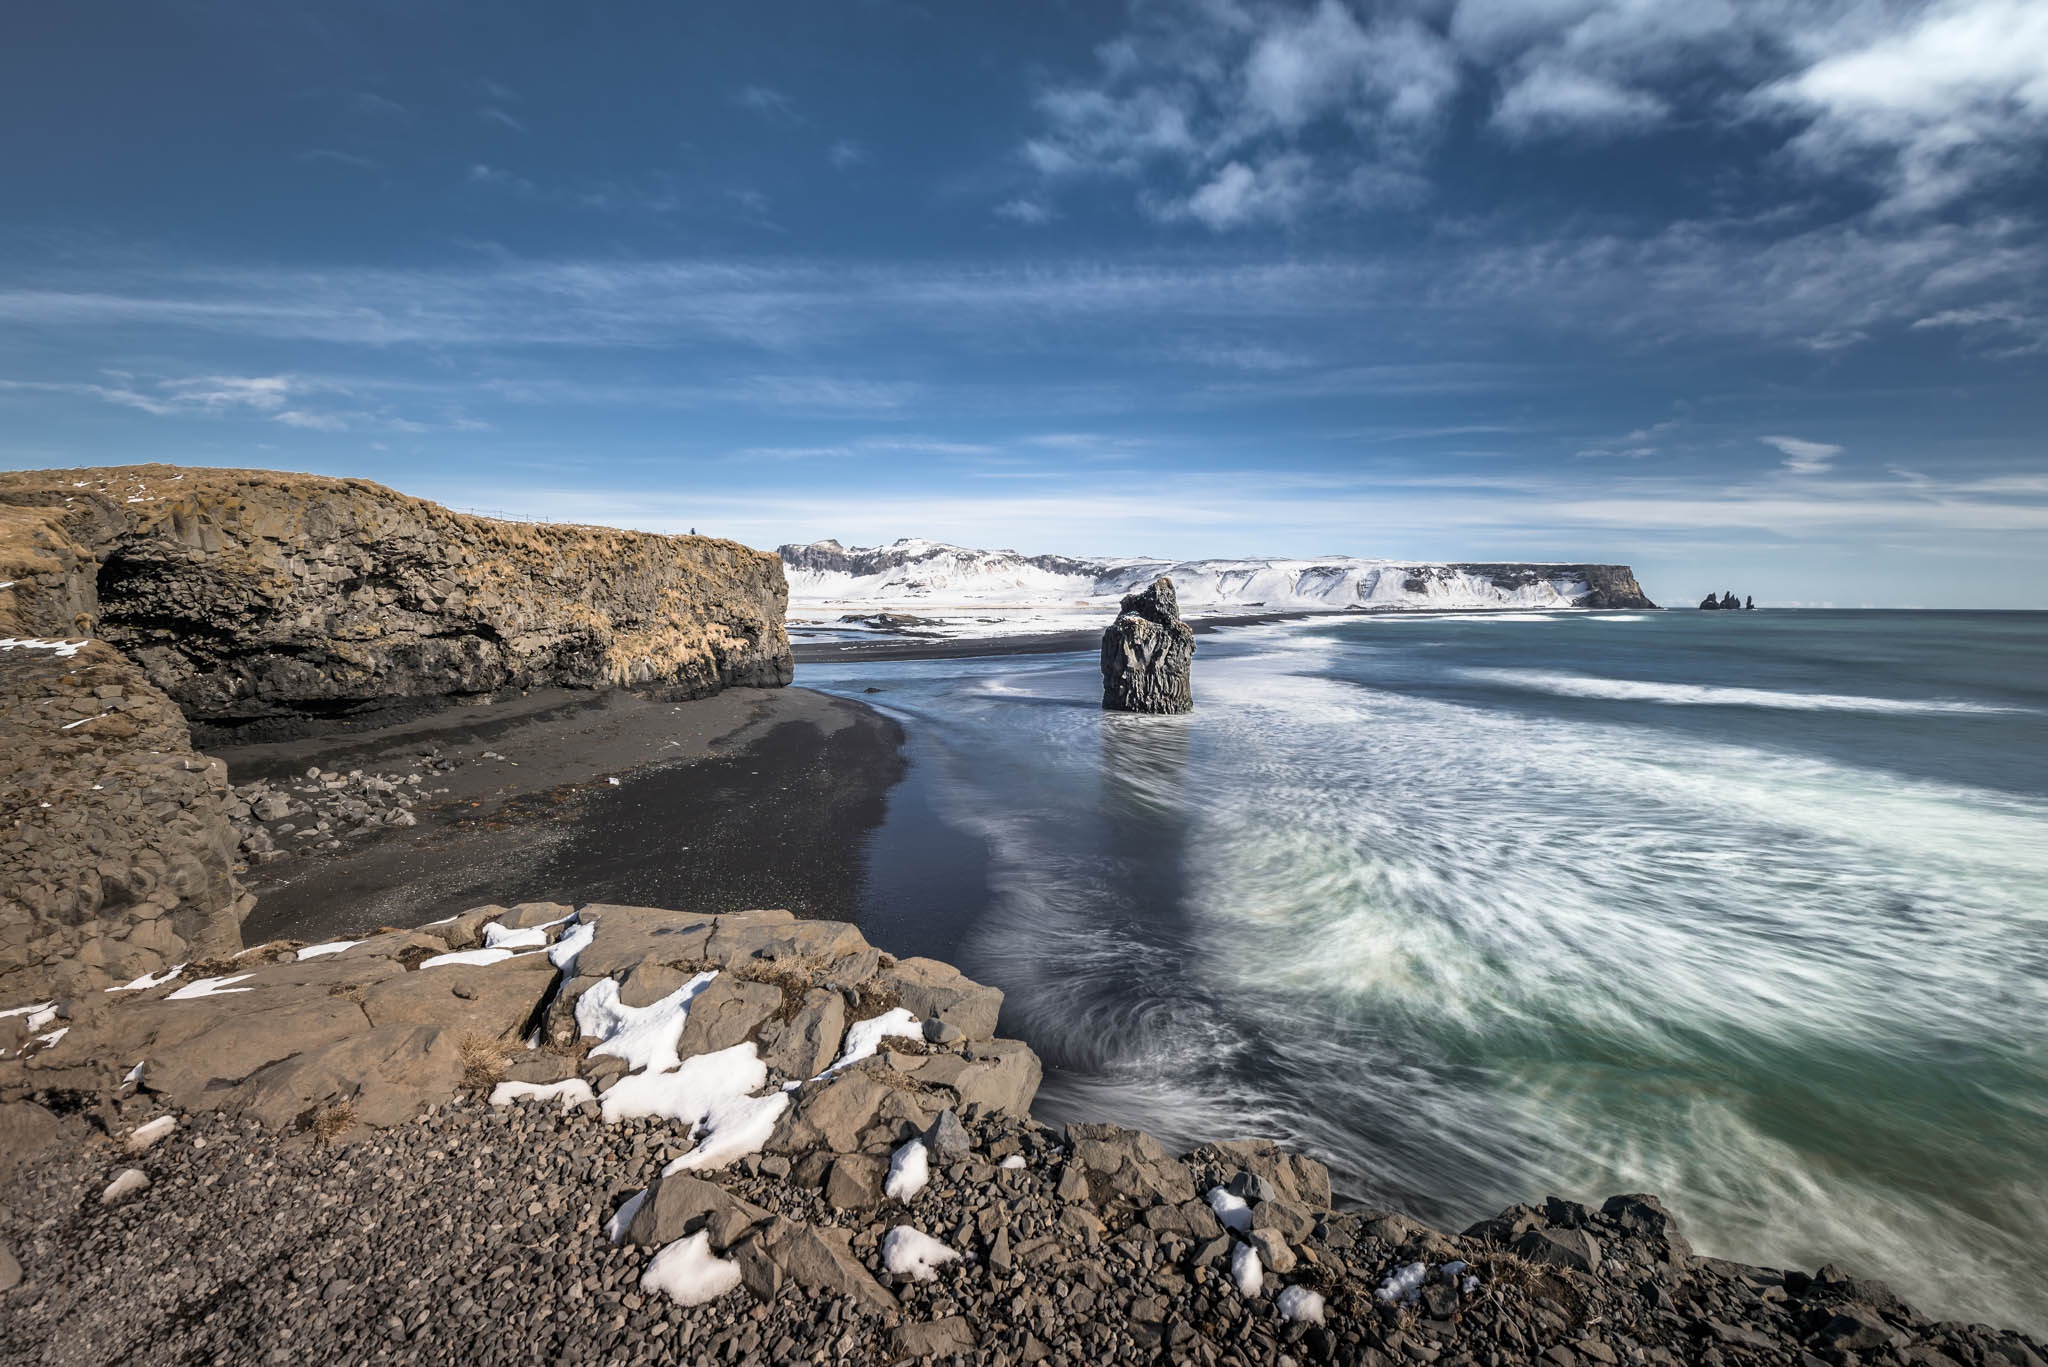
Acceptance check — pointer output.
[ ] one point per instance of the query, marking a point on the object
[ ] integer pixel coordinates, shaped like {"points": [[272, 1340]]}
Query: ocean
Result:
{"points": [[1746, 910]]}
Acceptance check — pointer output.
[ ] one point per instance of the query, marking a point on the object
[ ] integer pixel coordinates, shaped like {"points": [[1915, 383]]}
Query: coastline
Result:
{"points": [[748, 798]]}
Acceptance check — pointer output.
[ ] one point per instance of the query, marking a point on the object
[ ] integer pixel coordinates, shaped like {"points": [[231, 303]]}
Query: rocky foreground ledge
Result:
{"points": [[611, 1134]]}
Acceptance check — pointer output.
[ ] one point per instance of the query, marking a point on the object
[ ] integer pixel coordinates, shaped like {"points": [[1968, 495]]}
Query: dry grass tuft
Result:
{"points": [[483, 1061], [332, 1121]]}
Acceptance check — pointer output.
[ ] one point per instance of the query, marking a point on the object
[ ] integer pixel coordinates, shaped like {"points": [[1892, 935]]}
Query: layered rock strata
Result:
{"points": [[763, 1141], [247, 593], [1148, 654]]}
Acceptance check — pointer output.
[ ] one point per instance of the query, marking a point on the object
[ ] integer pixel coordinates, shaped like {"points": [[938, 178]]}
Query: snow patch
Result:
{"points": [[143, 1136], [688, 1272], [734, 1127], [688, 1092], [148, 980], [1245, 1271], [644, 1036], [909, 1169], [127, 1183], [1013, 1162], [1233, 1211], [574, 941], [63, 649], [914, 1254], [1403, 1284], [210, 987], [571, 1093], [1300, 1303], [468, 956], [326, 947], [615, 1227], [863, 1038]]}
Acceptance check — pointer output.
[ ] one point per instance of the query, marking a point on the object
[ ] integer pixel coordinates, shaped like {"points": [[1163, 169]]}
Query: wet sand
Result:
{"points": [[751, 798]]}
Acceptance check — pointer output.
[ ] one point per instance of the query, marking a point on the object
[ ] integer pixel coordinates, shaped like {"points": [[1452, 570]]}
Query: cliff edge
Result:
{"points": [[137, 599]]}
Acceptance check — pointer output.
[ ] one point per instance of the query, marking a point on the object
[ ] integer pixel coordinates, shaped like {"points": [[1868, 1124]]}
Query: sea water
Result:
{"points": [[1746, 910]]}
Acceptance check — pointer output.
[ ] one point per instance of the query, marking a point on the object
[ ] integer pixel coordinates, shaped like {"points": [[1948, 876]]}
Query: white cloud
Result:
{"points": [[1272, 192], [1804, 457], [1550, 99], [493, 114], [1934, 104], [845, 154]]}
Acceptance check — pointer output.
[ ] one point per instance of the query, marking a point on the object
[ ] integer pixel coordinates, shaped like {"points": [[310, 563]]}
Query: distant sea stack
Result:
{"points": [[1727, 602], [1148, 654], [139, 601]]}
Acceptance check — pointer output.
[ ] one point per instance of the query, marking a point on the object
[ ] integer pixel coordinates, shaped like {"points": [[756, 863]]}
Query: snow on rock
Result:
{"points": [[325, 948], [571, 1093], [1245, 1270], [530, 937], [209, 987], [909, 1169], [734, 1127], [1300, 1303], [1014, 1161], [468, 956], [863, 1038], [1403, 1284], [687, 1092], [63, 649], [644, 1036], [574, 941], [33, 1011], [914, 1254], [126, 1184], [149, 980], [615, 1227], [1231, 1210], [688, 1272], [145, 1135]]}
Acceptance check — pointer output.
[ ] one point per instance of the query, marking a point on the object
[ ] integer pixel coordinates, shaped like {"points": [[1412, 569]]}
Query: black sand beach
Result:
{"points": [[754, 797]]}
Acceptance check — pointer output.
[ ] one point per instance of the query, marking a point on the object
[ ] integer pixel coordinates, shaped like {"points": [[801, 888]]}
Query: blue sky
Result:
{"points": [[1748, 295]]}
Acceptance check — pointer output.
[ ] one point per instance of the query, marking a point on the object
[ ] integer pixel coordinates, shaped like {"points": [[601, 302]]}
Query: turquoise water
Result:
{"points": [[1746, 910]]}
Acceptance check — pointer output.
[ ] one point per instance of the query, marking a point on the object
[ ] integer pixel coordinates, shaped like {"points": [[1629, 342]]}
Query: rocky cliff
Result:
{"points": [[131, 595], [245, 593]]}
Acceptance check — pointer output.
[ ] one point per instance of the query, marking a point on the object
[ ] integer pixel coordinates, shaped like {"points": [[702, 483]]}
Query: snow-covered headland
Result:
{"points": [[929, 588]]}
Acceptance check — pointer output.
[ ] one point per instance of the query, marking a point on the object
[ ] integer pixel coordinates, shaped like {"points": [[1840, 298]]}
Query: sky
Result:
{"points": [[1748, 295]]}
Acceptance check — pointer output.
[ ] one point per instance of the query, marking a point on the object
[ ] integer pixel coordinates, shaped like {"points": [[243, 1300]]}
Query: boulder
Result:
{"points": [[948, 1337], [854, 1183], [1294, 1176], [727, 1012], [495, 1000], [26, 1129], [680, 1205], [936, 990], [1133, 1164], [805, 1045], [1148, 654]]}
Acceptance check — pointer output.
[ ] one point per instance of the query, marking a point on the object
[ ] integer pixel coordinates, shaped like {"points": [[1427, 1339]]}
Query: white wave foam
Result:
{"points": [[1712, 695]]}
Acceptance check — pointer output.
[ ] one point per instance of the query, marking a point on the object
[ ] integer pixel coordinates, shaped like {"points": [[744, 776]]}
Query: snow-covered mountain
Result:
{"points": [[931, 587]]}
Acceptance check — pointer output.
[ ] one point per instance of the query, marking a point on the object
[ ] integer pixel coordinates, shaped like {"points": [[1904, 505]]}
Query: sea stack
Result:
{"points": [[1148, 654]]}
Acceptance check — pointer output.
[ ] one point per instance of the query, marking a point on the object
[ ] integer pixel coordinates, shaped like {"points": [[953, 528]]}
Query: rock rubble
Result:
{"points": [[342, 1187]]}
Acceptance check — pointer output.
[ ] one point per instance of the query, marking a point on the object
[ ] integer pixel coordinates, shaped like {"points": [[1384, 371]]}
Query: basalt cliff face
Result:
{"points": [[245, 593], [136, 599]]}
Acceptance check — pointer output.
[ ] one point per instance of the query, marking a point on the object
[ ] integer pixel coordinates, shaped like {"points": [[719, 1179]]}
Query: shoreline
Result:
{"points": [[750, 797], [744, 756], [910, 647]]}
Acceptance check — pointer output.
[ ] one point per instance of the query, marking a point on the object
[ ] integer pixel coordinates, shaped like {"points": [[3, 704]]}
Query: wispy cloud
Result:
{"points": [[845, 154], [766, 100], [1804, 457], [493, 114]]}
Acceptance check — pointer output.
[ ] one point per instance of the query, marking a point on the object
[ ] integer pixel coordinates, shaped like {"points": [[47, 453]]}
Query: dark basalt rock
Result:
{"points": [[1148, 654], [1727, 602]]}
